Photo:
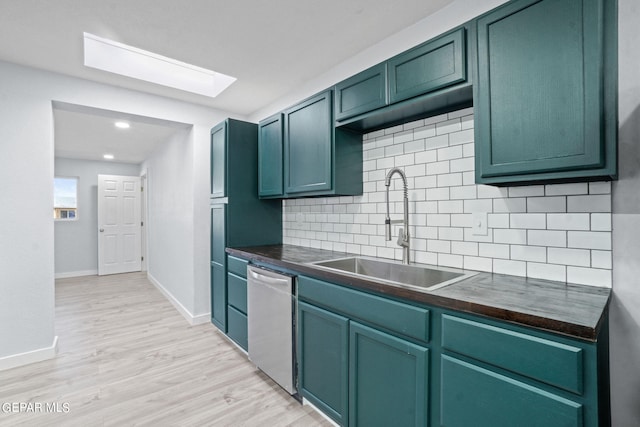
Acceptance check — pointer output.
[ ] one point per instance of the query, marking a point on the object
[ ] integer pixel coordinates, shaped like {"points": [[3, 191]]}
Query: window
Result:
{"points": [[65, 198]]}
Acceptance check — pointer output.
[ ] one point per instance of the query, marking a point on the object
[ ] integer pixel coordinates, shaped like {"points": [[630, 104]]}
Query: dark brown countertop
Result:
{"points": [[574, 310]]}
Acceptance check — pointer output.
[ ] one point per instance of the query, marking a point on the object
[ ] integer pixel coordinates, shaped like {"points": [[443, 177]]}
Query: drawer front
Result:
{"points": [[428, 67], [237, 327], [237, 292], [237, 266], [474, 396], [361, 93], [395, 316], [543, 360]]}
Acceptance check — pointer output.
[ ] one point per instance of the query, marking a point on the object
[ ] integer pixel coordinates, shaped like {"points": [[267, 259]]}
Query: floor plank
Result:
{"points": [[127, 357]]}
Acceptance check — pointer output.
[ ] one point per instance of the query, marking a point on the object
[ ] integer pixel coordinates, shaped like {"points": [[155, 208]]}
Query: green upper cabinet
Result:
{"points": [[431, 66], [544, 93], [361, 93], [219, 160], [270, 141], [308, 145], [319, 160]]}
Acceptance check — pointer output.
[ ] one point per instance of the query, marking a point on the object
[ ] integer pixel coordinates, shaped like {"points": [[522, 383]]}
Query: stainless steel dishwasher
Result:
{"points": [[271, 311]]}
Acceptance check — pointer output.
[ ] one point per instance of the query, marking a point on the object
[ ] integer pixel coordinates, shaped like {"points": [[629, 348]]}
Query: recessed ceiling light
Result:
{"points": [[108, 156], [114, 57], [123, 125]]}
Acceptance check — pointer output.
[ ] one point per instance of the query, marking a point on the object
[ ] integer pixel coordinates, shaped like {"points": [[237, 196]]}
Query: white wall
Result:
{"points": [[170, 225], [625, 305], [76, 242], [26, 168]]}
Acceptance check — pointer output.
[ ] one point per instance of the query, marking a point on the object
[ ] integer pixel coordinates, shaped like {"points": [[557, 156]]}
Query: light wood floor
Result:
{"points": [[127, 357]]}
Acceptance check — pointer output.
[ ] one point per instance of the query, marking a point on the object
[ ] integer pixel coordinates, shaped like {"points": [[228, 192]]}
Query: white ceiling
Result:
{"points": [[272, 47], [89, 133]]}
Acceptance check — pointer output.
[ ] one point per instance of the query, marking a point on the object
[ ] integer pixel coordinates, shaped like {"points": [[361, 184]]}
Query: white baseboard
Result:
{"points": [[76, 274], [305, 402], [193, 320], [29, 357]]}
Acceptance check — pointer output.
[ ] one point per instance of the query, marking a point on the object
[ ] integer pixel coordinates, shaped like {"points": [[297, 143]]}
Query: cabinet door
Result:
{"points": [[474, 396], [219, 296], [219, 160], [218, 234], [361, 93], [388, 380], [270, 143], [309, 145], [322, 357], [538, 97], [428, 67]]}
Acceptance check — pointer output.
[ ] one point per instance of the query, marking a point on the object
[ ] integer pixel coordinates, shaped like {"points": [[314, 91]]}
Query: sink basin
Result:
{"points": [[414, 276]]}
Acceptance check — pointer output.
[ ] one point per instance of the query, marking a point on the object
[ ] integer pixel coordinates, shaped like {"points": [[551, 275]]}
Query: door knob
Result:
{"points": [[102, 230]]}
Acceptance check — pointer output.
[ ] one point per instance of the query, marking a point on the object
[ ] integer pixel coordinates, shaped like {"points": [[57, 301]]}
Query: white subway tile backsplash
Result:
{"points": [[497, 220], [591, 203], [514, 268], [478, 205], [601, 222], [464, 248], [449, 180], [463, 192], [577, 257], [590, 240], [463, 165], [436, 142], [448, 260], [601, 259], [567, 189], [477, 263], [438, 168], [448, 126], [510, 205], [462, 137], [526, 191], [450, 206], [554, 231], [508, 236], [589, 276], [467, 122], [491, 192], [424, 132], [568, 221], [600, 187], [547, 204], [547, 238], [547, 271], [535, 221], [528, 253]]}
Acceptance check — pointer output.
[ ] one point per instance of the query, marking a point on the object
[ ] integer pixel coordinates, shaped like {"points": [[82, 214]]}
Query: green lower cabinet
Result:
{"points": [[323, 353], [237, 326], [475, 396], [388, 379], [219, 296]]}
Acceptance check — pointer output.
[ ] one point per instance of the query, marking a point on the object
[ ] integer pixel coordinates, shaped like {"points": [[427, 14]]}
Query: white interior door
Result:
{"points": [[118, 224]]}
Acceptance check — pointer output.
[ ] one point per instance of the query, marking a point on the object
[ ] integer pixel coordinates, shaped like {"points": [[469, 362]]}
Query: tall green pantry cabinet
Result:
{"points": [[238, 217]]}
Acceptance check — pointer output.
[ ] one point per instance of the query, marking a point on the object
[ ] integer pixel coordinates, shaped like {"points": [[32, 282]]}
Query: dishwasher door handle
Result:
{"points": [[275, 282]]}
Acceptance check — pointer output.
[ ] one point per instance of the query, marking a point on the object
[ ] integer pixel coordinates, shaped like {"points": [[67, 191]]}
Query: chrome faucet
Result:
{"points": [[403, 234]]}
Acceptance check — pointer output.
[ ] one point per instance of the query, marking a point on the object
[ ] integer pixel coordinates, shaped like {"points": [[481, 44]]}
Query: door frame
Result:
{"points": [[144, 216]]}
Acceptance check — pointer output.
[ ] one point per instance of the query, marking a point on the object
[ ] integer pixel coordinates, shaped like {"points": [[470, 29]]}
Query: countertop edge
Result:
{"points": [[564, 328]]}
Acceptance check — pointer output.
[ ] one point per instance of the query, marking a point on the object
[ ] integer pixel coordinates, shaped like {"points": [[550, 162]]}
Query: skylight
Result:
{"points": [[118, 58]]}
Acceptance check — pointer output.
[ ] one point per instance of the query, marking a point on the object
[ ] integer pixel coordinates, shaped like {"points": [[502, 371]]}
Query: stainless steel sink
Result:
{"points": [[414, 276]]}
